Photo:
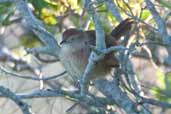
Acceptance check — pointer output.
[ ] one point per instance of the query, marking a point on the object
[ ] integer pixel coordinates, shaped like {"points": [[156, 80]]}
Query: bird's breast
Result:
{"points": [[74, 60]]}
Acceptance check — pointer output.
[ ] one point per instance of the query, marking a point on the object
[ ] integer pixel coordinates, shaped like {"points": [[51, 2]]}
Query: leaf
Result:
{"points": [[145, 14], [48, 16]]}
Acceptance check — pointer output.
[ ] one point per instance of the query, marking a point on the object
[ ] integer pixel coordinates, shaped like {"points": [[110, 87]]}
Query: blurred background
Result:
{"points": [[149, 60]]}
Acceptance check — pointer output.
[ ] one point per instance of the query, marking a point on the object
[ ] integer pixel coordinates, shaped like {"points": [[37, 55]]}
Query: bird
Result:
{"points": [[76, 48]]}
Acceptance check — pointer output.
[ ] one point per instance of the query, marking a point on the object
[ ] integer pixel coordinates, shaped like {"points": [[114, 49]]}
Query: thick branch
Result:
{"points": [[36, 26]]}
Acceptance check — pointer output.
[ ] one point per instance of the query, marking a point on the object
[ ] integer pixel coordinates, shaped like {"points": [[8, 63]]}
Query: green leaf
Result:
{"points": [[145, 14]]}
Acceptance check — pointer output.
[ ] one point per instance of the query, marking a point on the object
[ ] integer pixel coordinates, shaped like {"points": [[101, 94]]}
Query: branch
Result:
{"points": [[155, 102], [103, 52], [11, 73], [113, 9], [152, 101], [159, 21], [70, 95], [38, 50], [100, 44], [161, 28], [111, 90], [131, 78], [9, 94], [4, 1], [7, 56], [37, 27], [113, 99], [51, 45]]}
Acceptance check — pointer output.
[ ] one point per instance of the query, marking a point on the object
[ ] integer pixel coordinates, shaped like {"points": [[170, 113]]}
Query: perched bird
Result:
{"points": [[75, 50]]}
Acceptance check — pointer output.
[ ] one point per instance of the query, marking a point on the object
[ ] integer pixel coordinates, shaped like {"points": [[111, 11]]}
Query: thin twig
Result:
{"points": [[11, 73]]}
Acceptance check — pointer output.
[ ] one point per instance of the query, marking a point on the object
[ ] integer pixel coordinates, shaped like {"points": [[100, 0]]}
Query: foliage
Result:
{"points": [[146, 45]]}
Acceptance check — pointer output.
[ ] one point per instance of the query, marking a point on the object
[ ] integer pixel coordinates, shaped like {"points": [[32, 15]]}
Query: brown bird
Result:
{"points": [[75, 50]]}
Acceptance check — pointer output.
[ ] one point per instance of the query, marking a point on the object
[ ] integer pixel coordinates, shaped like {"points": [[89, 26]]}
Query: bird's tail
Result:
{"points": [[122, 29]]}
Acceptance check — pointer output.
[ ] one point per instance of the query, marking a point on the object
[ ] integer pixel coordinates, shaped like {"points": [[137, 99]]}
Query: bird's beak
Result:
{"points": [[63, 41]]}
